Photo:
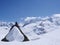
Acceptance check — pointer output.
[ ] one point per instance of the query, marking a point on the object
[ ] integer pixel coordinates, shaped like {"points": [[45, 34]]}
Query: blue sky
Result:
{"points": [[13, 10]]}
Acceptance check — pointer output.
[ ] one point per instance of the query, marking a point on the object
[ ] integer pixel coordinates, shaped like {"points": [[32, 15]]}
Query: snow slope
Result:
{"points": [[51, 38], [40, 31]]}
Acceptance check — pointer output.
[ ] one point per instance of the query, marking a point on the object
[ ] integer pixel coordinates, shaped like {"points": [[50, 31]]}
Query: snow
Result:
{"points": [[3, 32], [15, 34], [56, 15], [51, 37]]}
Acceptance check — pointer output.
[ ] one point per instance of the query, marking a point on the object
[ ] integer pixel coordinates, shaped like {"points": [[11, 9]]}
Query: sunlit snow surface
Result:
{"points": [[14, 34], [40, 31]]}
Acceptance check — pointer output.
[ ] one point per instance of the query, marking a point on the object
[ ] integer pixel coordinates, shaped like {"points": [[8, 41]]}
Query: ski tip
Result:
{"points": [[5, 40]]}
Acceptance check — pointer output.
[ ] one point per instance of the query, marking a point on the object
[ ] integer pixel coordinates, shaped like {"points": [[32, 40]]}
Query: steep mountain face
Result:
{"points": [[34, 27]]}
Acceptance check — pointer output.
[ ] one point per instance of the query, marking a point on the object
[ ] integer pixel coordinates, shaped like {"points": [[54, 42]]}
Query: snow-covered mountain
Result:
{"points": [[41, 25], [36, 28]]}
